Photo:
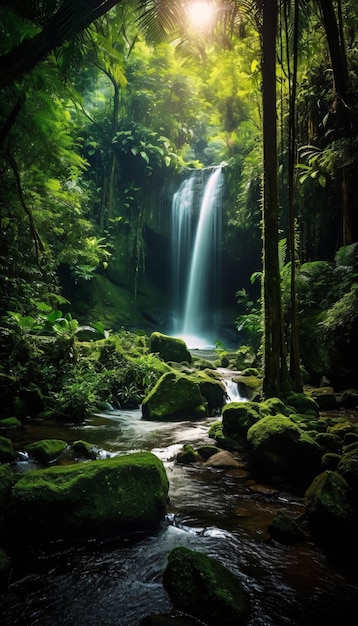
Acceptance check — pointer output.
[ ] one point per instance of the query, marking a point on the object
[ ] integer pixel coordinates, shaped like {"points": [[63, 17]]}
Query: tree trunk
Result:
{"points": [[275, 367]]}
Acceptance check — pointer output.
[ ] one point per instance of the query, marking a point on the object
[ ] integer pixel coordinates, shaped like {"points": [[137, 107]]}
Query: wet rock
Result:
{"points": [[169, 348], [238, 417], [212, 390], [222, 459], [202, 587], [175, 618], [325, 398], [285, 529], [328, 511], [173, 396], [188, 455], [349, 399], [97, 498], [280, 447], [46, 450], [207, 451]]}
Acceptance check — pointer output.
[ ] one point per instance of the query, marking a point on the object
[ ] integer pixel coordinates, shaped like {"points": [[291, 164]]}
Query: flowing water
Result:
{"points": [[196, 240], [220, 512]]}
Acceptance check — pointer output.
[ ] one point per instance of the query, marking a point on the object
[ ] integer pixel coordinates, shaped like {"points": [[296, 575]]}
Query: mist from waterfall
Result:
{"points": [[196, 242]]}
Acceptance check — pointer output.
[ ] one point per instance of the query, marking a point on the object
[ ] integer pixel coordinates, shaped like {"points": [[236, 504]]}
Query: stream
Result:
{"points": [[220, 512]]}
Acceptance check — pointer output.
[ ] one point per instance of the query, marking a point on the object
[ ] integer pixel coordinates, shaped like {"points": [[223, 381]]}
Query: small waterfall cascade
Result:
{"points": [[196, 242]]}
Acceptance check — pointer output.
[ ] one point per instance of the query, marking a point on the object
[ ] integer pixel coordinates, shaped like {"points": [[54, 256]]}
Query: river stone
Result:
{"points": [[328, 510], [202, 587], [281, 448], [173, 396], [46, 450], [285, 529], [169, 348], [96, 498], [222, 459]]}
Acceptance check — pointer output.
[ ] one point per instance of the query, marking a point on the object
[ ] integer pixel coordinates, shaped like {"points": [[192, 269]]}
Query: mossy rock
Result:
{"points": [[328, 442], [7, 452], [207, 451], [325, 398], [224, 441], [169, 348], [200, 586], [348, 468], [330, 461], [285, 529], [187, 455], [212, 390], [46, 450], [274, 406], [303, 403], [10, 422], [281, 448], [340, 429], [328, 509], [7, 480], [98, 498], [349, 399], [249, 386], [238, 417], [86, 450], [245, 357], [173, 396]]}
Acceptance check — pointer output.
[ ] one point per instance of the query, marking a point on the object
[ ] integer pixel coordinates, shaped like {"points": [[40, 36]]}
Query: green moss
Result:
{"points": [[10, 422], [7, 452], [85, 449], [174, 395], [46, 450], [188, 455], [238, 417], [7, 480], [123, 493], [303, 403], [273, 406], [169, 348], [202, 587]]}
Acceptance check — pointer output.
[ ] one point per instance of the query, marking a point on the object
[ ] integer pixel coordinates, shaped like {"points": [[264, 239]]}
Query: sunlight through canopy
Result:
{"points": [[201, 14]]}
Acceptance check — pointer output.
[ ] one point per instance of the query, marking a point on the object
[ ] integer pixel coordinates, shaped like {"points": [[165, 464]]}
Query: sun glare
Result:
{"points": [[201, 14]]}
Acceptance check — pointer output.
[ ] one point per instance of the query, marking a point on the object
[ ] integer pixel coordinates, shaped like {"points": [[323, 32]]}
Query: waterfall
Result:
{"points": [[196, 240]]}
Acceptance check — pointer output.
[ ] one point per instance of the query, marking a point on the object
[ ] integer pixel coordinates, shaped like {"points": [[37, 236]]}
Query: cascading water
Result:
{"points": [[196, 240]]}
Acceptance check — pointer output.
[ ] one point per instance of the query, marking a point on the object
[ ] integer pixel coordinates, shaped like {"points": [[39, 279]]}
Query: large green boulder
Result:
{"points": [[169, 348], [173, 396], [200, 586], [281, 448], [96, 498]]}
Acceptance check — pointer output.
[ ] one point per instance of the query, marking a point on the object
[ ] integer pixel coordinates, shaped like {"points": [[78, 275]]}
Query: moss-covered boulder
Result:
{"points": [[9, 423], [274, 406], [97, 498], [173, 396], [285, 529], [86, 450], [325, 398], [249, 385], [200, 586], [281, 448], [169, 348], [303, 403], [349, 399], [211, 389], [46, 450], [7, 452], [328, 510], [238, 417]]}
